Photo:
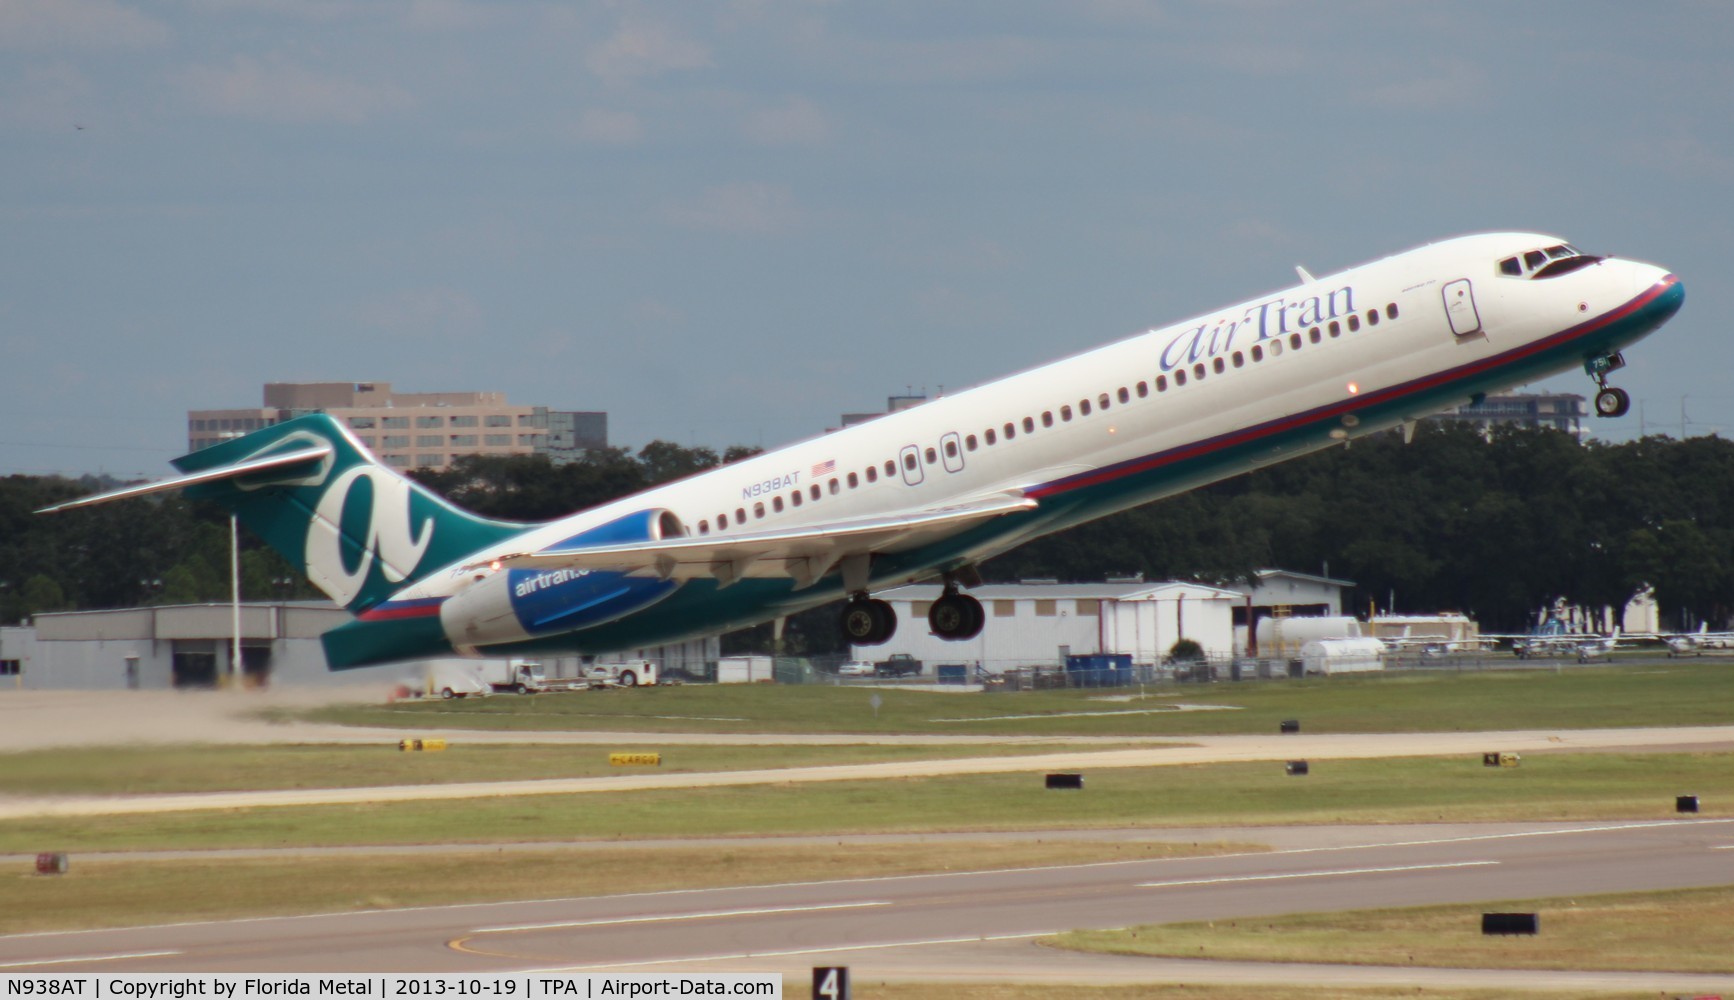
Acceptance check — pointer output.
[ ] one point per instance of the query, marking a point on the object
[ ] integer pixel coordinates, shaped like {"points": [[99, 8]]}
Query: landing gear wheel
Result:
{"points": [[1612, 402], [868, 622], [956, 617]]}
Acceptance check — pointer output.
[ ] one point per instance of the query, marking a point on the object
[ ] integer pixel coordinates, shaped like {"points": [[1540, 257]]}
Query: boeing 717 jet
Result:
{"points": [[928, 493]]}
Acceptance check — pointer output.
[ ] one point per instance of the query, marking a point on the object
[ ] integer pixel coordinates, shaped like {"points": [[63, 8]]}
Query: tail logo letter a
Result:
{"points": [[389, 537]]}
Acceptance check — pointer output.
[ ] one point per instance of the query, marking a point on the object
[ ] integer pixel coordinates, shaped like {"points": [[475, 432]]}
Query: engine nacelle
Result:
{"points": [[510, 605]]}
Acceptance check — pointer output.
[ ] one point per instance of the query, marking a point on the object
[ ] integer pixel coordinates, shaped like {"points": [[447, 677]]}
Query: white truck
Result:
{"points": [[521, 676], [448, 678], [626, 673]]}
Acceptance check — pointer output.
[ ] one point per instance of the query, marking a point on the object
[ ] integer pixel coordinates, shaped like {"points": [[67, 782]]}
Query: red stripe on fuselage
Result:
{"points": [[1251, 434]]}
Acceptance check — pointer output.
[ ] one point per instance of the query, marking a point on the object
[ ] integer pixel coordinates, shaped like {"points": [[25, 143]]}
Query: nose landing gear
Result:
{"points": [[1610, 401]]}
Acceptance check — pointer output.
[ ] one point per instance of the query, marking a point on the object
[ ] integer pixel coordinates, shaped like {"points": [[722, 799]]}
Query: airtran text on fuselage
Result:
{"points": [[541, 581], [1261, 321]]}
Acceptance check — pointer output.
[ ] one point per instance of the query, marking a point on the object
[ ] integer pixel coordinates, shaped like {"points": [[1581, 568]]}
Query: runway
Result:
{"points": [[967, 925]]}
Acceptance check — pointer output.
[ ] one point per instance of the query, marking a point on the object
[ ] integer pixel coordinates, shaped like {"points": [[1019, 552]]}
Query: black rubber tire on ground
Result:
{"points": [[448, 694], [628, 679]]}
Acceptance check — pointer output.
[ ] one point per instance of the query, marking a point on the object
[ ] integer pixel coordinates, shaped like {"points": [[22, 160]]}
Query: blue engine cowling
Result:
{"points": [[516, 604]]}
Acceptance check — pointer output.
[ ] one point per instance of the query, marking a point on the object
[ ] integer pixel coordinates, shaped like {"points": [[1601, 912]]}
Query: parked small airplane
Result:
{"points": [[930, 492], [1694, 643]]}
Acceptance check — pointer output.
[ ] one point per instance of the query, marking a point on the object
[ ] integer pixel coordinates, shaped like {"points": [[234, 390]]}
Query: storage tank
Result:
{"points": [[1282, 638], [1343, 656]]}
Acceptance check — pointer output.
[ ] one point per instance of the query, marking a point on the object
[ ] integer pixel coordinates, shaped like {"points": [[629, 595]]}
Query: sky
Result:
{"points": [[731, 222]]}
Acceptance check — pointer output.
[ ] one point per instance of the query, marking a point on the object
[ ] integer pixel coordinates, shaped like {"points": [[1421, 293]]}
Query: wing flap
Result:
{"points": [[805, 554]]}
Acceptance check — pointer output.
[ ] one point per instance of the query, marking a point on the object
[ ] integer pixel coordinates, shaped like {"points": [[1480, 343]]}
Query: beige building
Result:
{"points": [[414, 430]]}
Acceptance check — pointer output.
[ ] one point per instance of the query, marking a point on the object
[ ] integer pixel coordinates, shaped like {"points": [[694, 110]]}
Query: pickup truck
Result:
{"points": [[898, 665]]}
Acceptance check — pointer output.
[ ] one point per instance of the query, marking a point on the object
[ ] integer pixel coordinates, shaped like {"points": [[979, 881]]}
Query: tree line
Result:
{"points": [[1496, 527]]}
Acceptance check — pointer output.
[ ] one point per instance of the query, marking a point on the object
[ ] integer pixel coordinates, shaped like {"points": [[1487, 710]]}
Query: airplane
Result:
{"points": [[1694, 643], [930, 492], [1550, 639]]}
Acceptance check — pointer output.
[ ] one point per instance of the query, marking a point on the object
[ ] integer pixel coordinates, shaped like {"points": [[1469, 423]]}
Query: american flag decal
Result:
{"points": [[825, 468]]}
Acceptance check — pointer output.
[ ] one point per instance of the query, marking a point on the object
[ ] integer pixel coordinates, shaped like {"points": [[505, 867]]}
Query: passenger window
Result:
{"points": [[1391, 311], [1010, 432], [1294, 341], [1102, 401], [1179, 377], [873, 473], [1313, 334], [1030, 424], [1065, 414], [1198, 370], [1354, 322], [890, 467], [758, 510], [988, 435], [1125, 397], [969, 442], [1218, 366], [1336, 328], [704, 527], [814, 491], [909, 461], [1143, 390], [1276, 348], [777, 505], [1372, 317], [795, 498], [1257, 353], [951, 448], [1161, 383], [834, 487], [854, 480], [1083, 407], [740, 515], [932, 456], [722, 521], [1239, 359]]}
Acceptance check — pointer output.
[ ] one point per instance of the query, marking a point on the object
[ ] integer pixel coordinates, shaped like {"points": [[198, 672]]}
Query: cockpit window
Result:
{"points": [[1552, 262]]}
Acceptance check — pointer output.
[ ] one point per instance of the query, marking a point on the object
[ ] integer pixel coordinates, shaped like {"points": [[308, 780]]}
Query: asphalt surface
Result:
{"points": [[975, 926]]}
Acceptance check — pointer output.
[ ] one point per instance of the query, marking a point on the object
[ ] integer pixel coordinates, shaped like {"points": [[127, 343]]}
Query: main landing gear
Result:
{"points": [[1610, 401], [867, 621], [954, 616]]}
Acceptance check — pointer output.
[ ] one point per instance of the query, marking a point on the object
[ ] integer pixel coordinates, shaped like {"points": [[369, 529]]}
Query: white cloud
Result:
{"points": [[274, 89], [89, 24], [640, 49], [748, 208], [797, 121]]}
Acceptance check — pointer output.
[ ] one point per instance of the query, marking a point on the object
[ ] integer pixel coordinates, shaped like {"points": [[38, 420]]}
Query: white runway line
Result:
{"points": [[1327, 874], [714, 914]]}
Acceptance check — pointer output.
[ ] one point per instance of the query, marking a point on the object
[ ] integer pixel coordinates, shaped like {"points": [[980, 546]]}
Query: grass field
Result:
{"points": [[1681, 931], [142, 770], [1546, 787], [1663, 693]]}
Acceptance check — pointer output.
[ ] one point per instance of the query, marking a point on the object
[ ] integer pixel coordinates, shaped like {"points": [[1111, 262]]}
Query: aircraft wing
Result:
{"points": [[805, 554]]}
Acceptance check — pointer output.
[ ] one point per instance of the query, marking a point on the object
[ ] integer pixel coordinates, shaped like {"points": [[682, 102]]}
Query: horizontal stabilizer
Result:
{"points": [[268, 463]]}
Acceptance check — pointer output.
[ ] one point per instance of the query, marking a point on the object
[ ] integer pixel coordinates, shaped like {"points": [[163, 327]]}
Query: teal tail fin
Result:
{"points": [[357, 529]]}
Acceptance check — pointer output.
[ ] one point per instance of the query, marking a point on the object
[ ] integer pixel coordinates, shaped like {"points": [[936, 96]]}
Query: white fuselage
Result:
{"points": [[1358, 350]]}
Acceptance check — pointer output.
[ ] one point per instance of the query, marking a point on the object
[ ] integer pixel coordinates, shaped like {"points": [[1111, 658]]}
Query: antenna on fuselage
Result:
{"points": [[1306, 279]]}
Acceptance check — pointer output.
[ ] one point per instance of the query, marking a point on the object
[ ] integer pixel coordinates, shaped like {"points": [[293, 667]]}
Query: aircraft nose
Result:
{"points": [[1664, 285]]}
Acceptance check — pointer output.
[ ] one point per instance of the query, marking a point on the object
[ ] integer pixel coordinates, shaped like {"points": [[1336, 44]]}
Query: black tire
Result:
{"points": [[1612, 402], [628, 679], [867, 622], [448, 694], [887, 620], [956, 617], [523, 689]]}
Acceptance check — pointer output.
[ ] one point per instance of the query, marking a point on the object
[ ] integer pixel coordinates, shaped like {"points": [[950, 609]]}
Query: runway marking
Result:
{"points": [[1329, 874], [87, 958], [677, 916], [798, 951]]}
